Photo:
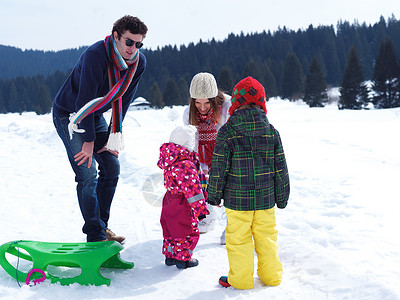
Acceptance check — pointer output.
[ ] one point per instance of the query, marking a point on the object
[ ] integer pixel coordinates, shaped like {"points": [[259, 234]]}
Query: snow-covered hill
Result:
{"points": [[338, 235]]}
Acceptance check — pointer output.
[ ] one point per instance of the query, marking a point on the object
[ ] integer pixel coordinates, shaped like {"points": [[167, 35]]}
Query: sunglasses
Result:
{"points": [[130, 43]]}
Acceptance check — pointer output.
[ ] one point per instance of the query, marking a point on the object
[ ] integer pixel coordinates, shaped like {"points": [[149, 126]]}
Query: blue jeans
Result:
{"points": [[95, 191]]}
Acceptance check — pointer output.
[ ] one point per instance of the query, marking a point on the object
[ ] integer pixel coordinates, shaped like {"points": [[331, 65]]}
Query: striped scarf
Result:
{"points": [[207, 130], [202, 176], [118, 87]]}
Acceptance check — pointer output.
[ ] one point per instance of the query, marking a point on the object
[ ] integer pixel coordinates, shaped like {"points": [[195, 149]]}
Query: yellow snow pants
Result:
{"points": [[244, 227]]}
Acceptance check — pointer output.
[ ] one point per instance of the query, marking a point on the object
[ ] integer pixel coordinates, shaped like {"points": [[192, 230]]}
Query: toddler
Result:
{"points": [[184, 201]]}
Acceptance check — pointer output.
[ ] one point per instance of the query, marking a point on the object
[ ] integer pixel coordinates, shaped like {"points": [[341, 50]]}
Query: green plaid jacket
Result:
{"points": [[248, 168]]}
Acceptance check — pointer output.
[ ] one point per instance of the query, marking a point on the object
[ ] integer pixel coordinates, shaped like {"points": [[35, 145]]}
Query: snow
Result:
{"points": [[338, 236]]}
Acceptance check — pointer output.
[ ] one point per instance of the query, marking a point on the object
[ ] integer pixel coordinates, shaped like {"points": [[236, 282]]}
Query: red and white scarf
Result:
{"points": [[118, 87], [207, 130]]}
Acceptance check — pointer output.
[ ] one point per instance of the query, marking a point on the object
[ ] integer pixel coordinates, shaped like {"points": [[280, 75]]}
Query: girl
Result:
{"points": [[208, 111], [184, 201]]}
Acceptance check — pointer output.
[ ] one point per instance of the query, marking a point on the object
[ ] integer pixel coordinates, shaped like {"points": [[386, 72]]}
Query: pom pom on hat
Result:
{"points": [[247, 91], [184, 136], [203, 86]]}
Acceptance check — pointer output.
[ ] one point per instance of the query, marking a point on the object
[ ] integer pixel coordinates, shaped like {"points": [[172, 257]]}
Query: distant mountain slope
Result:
{"points": [[15, 62]]}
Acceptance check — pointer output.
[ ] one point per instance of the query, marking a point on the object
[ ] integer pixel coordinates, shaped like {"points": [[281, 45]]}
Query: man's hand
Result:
{"points": [[85, 154]]}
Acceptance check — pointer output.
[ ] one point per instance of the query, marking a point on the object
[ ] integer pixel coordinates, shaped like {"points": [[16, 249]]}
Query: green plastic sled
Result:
{"points": [[90, 257]]}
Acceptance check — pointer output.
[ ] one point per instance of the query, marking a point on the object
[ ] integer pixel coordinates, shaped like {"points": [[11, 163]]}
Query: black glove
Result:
{"points": [[281, 205], [213, 202]]}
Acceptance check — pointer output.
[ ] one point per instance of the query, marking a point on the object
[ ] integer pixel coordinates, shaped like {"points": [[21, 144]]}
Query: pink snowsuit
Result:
{"points": [[183, 202]]}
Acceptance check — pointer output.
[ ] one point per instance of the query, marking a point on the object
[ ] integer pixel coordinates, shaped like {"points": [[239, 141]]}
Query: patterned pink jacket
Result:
{"points": [[182, 174]]}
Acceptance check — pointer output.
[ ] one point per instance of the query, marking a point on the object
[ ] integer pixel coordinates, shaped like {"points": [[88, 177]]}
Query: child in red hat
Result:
{"points": [[249, 172]]}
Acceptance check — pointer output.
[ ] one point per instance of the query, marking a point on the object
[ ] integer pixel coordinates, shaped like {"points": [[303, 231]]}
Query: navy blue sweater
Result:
{"points": [[89, 80]]}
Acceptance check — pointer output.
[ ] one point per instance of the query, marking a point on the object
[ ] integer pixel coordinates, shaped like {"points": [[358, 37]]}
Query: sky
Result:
{"points": [[338, 236], [57, 25]]}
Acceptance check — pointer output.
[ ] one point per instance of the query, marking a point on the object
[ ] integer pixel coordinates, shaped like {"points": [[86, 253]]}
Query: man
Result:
{"points": [[106, 76]]}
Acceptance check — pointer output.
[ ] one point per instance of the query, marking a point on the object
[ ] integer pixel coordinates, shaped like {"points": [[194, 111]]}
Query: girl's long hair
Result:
{"points": [[216, 112]]}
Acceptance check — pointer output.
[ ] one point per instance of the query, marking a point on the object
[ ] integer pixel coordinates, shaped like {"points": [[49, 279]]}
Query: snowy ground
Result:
{"points": [[338, 235]]}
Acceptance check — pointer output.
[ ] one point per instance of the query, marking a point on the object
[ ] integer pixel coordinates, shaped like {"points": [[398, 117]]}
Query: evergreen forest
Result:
{"points": [[362, 60]]}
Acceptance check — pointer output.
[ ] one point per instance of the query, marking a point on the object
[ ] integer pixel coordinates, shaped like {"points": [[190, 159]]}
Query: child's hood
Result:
{"points": [[171, 153], [250, 121]]}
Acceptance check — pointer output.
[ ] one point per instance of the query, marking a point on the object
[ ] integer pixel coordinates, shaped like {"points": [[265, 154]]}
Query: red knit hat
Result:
{"points": [[246, 91]]}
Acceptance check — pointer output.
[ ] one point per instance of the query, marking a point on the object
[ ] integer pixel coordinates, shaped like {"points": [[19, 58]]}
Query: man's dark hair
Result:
{"points": [[129, 23]]}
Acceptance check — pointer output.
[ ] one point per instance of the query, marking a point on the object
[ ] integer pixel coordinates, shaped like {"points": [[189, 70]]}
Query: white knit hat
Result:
{"points": [[184, 136], [203, 86]]}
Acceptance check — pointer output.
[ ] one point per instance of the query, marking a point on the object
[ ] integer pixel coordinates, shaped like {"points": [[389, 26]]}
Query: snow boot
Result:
{"points": [[111, 236], [169, 261], [183, 264], [223, 280]]}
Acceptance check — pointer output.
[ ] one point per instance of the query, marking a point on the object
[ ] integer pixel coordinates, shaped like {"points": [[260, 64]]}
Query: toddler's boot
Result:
{"points": [[169, 261], [183, 264]]}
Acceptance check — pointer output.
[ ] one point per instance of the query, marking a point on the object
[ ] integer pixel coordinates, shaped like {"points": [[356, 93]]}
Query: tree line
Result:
{"points": [[355, 93], [291, 64]]}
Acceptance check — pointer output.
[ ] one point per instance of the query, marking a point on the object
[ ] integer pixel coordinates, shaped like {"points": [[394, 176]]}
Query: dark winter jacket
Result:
{"points": [[89, 80], [249, 168]]}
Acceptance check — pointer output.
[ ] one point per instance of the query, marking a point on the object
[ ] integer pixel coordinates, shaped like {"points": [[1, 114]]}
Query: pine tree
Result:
{"points": [[183, 88], [330, 61], [12, 99], [397, 104], [353, 92], [225, 82], [277, 68], [292, 84], [2, 101], [43, 100], [25, 99], [156, 98], [171, 94], [385, 78], [269, 83], [252, 69], [55, 81], [315, 88]]}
